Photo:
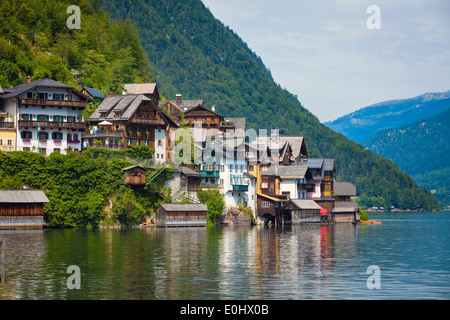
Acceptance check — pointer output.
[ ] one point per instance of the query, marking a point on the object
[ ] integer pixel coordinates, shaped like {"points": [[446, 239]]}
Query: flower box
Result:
{"points": [[57, 141], [26, 140], [73, 141], [43, 140]]}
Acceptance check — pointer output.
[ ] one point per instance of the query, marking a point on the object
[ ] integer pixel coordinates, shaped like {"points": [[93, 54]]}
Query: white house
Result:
{"points": [[47, 116], [227, 169]]}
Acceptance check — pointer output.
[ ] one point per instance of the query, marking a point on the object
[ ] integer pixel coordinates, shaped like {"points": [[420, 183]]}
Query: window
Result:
{"points": [[162, 155], [1, 142], [75, 137], [9, 142], [72, 118], [221, 181], [43, 117], [222, 168], [265, 168], [25, 116], [57, 150], [251, 168], [26, 149], [57, 135], [42, 151], [264, 185], [159, 143], [58, 96], [42, 135], [210, 167], [157, 156], [265, 204], [57, 118], [69, 137], [26, 134], [276, 204], [231, 168]]}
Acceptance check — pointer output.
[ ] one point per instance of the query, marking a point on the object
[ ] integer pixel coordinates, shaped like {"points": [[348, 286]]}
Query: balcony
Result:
{"points": [[52, 103], [209, 185], [147, 121], [240, 187], [51, 124], [6, 125], [103, 134], [210, 174]]}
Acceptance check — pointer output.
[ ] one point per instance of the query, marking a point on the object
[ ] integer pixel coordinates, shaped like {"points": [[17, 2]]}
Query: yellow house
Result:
{"points": [[7, 133]]}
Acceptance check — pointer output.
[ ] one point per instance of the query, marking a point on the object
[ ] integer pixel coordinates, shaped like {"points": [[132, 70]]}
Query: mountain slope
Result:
{"points": [[421, 149], [35, 41], [366, 122], [194, 54]]}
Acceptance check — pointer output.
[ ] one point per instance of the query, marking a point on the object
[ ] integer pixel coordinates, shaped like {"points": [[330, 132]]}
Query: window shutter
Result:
{"points": [[53, 135], [22, 134], [30, 134], [47, 118], [46, 134]]}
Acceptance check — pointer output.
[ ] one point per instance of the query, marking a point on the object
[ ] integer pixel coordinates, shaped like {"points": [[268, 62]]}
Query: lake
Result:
{"points": [[410, 250]]}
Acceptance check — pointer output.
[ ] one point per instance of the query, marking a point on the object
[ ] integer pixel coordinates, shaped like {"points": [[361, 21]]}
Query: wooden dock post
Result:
{"points": [[2, 260]]}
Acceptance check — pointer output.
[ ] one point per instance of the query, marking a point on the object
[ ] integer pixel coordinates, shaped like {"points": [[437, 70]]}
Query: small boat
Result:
{"points": [[370, 222]]}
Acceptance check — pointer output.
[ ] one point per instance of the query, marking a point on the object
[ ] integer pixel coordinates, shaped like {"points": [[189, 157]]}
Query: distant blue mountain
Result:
{"points": [[366, 122]]}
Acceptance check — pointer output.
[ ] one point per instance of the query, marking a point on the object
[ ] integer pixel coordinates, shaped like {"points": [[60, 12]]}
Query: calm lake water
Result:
{"points": [[412, 251]]}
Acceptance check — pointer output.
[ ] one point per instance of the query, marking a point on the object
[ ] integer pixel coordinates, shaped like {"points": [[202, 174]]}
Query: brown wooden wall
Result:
{"points": [[135, 176], [21, 209]]}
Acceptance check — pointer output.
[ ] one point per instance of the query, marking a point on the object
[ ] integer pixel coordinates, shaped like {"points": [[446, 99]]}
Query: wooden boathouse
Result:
{"points": [[181, 215], [22, 209], [301, 211]]}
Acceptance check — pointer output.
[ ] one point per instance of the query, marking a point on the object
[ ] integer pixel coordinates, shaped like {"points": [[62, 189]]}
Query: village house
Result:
{"points": [[181, 215], [123, 120], [344, 209], [22, 209], [94, 94], [46, 115], [226, 167]]}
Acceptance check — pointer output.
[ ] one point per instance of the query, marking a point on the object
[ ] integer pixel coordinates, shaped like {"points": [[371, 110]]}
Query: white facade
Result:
{"points": [[48, 136], [291, 188], [160, 145]]}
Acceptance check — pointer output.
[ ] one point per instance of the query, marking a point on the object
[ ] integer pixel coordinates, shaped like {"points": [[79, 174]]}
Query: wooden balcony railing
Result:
{"points": [[103, 134], [51, 124], [6, 125], [53, 103]]}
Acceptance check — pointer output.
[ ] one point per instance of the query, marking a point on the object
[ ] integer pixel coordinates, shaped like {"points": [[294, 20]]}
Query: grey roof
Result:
{"points": [[22, 196], [345, 207], [328, 165], [238, 123], [345, 189], [293, 172], [42, 83], [305, 204], [95, 93], [189, 172], [295, 142], [184, 105], [312, 163], [184, 207]]}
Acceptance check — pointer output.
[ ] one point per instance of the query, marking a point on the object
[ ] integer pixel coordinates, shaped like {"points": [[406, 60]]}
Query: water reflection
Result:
{"points": [[287, 262]]}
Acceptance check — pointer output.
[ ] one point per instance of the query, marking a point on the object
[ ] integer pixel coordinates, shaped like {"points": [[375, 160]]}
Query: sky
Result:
{"points": [[329, 54]]}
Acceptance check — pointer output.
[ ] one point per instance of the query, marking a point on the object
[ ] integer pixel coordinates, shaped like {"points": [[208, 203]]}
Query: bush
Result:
{"points": [[363, 215]]}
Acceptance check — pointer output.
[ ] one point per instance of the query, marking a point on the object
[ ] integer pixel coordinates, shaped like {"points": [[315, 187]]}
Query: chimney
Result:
{"points": [[213, 108], [178, 99], [80, 85], [28, 80]]}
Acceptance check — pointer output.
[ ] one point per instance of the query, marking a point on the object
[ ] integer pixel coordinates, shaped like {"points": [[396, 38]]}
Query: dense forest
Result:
{"points": [[192, 53], [181, 46], [35, 41]]}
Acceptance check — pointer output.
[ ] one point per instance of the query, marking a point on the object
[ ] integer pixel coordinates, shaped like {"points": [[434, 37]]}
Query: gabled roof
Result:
{"points": [[41, 83], [304, 204], [328, 165], [186, 111], [344, 189], [312, 163], [297, 143], [292, 172], [126, 105], [133, 167], [140, 88], [23, 196], [94, 93], [183, 105]]}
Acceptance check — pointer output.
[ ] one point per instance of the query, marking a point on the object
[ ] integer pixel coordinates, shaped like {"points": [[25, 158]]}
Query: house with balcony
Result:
{"points": [[123, 120], [175, 108], [319, 185], [226, 168], [47, 116], [7, 132]]}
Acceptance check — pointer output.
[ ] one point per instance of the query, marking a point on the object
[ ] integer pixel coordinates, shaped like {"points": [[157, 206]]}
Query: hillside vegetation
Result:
{"points": [[192, 53], [421, 149], [189, 52]]}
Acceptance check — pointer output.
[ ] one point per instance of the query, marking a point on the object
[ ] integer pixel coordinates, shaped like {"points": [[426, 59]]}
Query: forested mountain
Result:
{"points": [[362, 124], [194, 54], [35, 41], [421, 149], [189, 52]]}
